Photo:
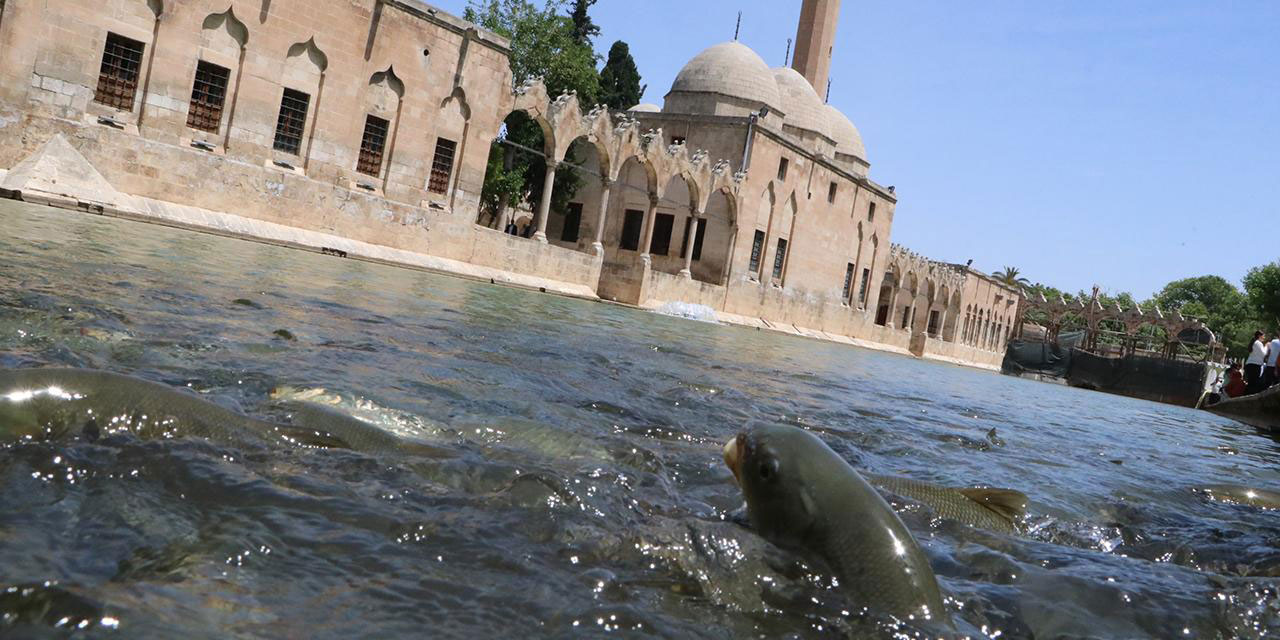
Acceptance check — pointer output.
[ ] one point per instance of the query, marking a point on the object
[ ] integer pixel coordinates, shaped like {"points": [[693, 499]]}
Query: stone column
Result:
{"points": [[893, 310], [544, 207], [691, 235], [606, 186], [942, 325], [646, 234]]}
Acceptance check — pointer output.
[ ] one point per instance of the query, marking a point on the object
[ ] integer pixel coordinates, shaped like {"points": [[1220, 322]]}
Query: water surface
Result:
{"points": [[579, 490]]}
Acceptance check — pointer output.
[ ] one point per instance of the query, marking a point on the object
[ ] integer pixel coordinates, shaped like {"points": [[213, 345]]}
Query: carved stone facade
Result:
{"points": [[372, 121]]}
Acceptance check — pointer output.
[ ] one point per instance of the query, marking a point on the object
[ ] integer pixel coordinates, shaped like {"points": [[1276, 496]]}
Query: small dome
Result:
{"points": [[801, 103], [848, 140], [730, 69], [646, 108]]}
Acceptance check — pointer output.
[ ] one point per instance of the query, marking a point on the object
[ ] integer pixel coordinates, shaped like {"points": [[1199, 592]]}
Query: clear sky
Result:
{"points": [[1124, 144]]}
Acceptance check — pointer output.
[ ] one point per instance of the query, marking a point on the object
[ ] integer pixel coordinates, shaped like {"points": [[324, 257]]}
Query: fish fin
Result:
{"points": [[1006, 503]]}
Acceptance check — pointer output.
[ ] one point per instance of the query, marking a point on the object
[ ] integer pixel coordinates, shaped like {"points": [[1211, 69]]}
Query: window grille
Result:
{"points": [[862, 289], [372, 144], [442, 166], [292, 121], [757, 246], [848, 281], [207, 97], [779, 258], [118, 77]]}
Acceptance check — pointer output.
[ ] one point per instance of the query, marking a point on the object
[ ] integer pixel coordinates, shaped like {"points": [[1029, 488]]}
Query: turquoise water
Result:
{"points": [[582, 492]]}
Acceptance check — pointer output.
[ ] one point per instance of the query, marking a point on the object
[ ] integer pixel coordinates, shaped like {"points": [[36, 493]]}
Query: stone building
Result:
{"points": [[367, 124]]}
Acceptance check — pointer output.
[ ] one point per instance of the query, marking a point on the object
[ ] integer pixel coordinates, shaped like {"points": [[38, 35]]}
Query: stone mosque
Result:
{"points": [[362, 128]]}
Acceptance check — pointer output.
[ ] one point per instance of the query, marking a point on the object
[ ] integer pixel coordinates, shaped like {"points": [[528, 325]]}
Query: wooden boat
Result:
{"points": [[1261, 410]]}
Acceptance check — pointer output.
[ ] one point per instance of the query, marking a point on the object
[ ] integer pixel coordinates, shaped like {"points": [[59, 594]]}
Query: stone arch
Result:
{"points": [[968, 325], [302, 84], [953, 320], [777, 249], [524, 141], [906, 312], [224, 32], [632, 194], [889, 287], [217, 72], [675, 205], [384, 91], [719, 229], [312, 54], [574, 215]]}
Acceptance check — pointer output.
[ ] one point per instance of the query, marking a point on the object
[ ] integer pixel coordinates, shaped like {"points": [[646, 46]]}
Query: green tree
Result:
{"points": [[584, 29], [1217, 303], [1012, 277], [620, 79], [1262, 285], [543, 44]]}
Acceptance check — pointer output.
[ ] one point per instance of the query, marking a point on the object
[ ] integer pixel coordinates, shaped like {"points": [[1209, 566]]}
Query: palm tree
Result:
{"points": [[1010, 276]]}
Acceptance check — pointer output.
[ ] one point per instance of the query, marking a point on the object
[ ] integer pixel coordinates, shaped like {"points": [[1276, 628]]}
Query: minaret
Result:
{"points": [[815, 38]]}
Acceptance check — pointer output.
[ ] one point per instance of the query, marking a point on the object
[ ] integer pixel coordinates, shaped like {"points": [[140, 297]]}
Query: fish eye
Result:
{"points": [[769, 469]]}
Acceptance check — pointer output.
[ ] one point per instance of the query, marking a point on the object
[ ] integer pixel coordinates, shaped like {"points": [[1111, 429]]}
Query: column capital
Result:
{"points": [[693, 211], [552, 164], [606, 181], [654, 200]]}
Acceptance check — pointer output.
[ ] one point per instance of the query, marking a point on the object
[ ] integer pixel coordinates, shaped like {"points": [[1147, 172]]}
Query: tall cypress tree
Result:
{"points": [[583, 27], [620, 80]]}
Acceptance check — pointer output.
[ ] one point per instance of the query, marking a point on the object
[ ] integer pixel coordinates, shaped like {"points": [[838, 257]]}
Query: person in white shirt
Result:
{"points": [[1270, 375], [1253, 366]]}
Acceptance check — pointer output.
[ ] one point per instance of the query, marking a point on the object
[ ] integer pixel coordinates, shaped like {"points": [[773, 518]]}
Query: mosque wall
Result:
{"points": [[188, 109], [372, 120]]}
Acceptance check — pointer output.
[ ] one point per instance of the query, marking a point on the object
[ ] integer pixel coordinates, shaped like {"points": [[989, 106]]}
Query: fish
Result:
{"points": [[60, 404], [492, 434], [997, 510], [1238, 494], [801, 494]]}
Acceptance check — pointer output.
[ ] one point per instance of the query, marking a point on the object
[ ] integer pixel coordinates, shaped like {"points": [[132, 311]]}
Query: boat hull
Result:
{"points": [[1261, 410]]}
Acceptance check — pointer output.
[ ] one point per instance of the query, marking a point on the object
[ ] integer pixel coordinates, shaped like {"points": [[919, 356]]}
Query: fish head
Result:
{"points": [[768, 463]]}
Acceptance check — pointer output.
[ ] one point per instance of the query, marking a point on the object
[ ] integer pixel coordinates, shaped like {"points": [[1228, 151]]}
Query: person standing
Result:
{"points": [[1253, 366], [1270, 375]]}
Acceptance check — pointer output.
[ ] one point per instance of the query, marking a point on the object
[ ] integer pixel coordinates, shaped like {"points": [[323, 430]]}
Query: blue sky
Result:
{"points": [[1124, 144]]}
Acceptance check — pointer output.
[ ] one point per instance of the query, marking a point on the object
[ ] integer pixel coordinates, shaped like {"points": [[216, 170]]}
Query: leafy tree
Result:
{"points": [[619, 79], [1262, 285], [1216, 302], [584, 29], [1012, 277], [543, 44]]}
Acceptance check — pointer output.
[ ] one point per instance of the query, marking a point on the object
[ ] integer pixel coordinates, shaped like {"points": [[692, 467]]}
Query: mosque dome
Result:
{"points": [[646, 108], [848, 140], [729, 69], [801, 104]]}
